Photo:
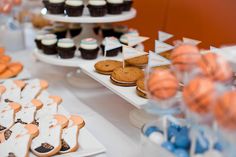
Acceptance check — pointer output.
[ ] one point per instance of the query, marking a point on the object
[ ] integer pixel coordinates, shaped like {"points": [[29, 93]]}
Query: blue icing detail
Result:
{"points": [[182, 140], [152, 129], [181, 153], [172, 131], [218, 146], [168, 146], [202, 147]]}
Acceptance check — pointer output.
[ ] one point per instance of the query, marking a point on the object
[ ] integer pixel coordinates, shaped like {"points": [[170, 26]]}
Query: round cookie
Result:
{"points": [[126, 76], [140, 89], [139, 62], [13, 69], [106, 67], [5, 59]]}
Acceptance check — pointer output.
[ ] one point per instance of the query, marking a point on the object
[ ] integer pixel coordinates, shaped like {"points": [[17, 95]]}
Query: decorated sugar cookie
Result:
{"points": [[48, 142], [70, 134]]}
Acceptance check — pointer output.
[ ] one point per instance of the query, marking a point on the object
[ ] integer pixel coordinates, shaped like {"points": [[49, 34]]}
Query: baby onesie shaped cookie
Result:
{"points": [[48, 142], [7, 115], [18, 142], [33, 89], [70, 134]]}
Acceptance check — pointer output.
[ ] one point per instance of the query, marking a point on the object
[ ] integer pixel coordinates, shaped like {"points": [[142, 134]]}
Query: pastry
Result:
{"points": [[3, 67], [140, 89], [120, 30], [56, 6], [13, 69], [4, 59], [215, 67], [127, 5], [74, 7], [60, 30], [49, 44], [107, 30], [106, 67], [97, 8], [139, 62], [185, 57], [115, 7], [113, 52], [66, 48], [199, 95], [89, 48], [126, 76], [70, 134], [75, 30], [162, 84]]}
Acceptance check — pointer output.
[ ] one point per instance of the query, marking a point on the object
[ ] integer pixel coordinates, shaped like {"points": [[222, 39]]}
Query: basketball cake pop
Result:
{"points": [[185, 57], [199, 95], [215, 67], [225, 111], [162, 84]]}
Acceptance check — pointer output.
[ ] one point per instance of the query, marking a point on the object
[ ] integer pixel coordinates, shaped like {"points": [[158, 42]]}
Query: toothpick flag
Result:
{"points": [[134, 40], [163, 36], [130, 52], [162, 47], [191, 41], [156, 60], [111, 44], [214, 49]]}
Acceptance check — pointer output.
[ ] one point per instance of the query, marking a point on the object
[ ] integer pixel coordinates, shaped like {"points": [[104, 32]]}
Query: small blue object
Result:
{"points": [[181, 153], [168, 146], [202, 146], [182, 140], [172, 131], [152, 129], [218, 146]]}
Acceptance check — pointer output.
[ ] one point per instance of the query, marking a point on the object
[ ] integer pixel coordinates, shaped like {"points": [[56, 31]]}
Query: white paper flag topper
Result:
{"points": [[162, 47], [214, 49], [134, 40], [191, 41], [111, 44], [155, 59], [130, 52], [163, 36]]}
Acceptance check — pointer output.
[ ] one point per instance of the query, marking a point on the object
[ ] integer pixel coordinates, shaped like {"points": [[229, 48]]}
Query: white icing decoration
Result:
{"points": [[56, 1], [31, 90], [7, 118], [97, 2], [115, 1], [26, 114], [74, 2], [66, 43], [70, 136]]}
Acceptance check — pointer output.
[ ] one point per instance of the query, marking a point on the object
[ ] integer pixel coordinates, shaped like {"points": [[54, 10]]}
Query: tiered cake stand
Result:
{"points": [[137, 117]]}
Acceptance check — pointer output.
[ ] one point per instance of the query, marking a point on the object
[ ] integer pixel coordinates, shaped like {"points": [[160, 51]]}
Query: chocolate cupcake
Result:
{"points": [[127, 5], [120, 30], [75, 30], [115, 7], [89, 48], [49, 44], [66, 48], [74, 7], [46, 4], [38, 39], [97, 8], [107, 30], [60, 30], [56, 6], [113, 52]]}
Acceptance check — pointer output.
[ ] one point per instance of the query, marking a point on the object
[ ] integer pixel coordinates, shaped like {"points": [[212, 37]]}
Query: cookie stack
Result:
{"points": [[8, 69], [30, 121]]}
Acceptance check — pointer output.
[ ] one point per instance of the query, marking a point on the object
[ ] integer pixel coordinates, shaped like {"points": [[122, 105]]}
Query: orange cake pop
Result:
{"points": [[185, 57], [162, 84], [215, 67], [225, 110], [199, 95]]}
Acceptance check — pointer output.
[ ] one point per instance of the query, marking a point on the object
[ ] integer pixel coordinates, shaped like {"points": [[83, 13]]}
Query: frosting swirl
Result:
{"points": [[89, 43]]}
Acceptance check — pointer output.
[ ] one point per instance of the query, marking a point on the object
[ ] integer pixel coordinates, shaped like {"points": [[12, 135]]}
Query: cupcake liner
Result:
{"points": [[97, 11], [89, 54], [56, 8], [66, 53], [74, 10], [111, 53], [49, 49], [75, 32], [127, 5], [115, 9], [61, 34], [107, 33], [38, 44]]}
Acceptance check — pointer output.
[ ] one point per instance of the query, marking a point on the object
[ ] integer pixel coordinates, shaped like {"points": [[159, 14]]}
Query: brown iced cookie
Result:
{"points": [[140, 89], [126, 76], [12, 70], [166, 54], [106, 67], [140, 61]]}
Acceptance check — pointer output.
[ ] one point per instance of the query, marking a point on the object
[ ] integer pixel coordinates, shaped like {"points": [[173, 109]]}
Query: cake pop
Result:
{"points": [[199, 95], [225, 110], [185, 57], [162, 84], [215, 67]]}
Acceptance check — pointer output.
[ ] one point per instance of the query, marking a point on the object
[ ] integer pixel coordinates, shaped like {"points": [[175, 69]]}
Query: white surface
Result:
{"points": [[22, 75], [86, 18], [87, 66]]}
